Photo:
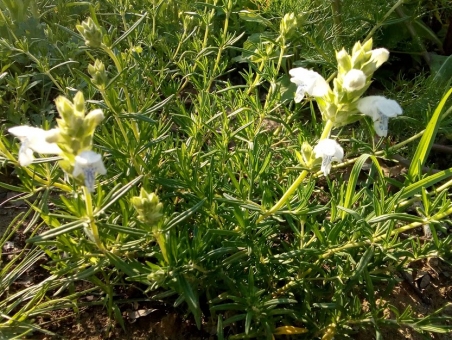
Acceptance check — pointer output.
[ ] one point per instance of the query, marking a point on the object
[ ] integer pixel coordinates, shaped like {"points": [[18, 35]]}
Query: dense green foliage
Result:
{"points": [[199, 110]]}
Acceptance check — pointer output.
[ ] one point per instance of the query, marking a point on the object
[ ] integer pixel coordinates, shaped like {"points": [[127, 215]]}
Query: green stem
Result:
{"points": [[257, 79], [325, 134], [281, 54], [285, 197], [126, 92], [220, 48], [336, 9], [90, 215], [378, 25], [327, 129]]}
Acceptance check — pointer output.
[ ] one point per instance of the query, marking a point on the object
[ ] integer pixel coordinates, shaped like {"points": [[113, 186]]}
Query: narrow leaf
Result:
{"points": [[425, 144]]}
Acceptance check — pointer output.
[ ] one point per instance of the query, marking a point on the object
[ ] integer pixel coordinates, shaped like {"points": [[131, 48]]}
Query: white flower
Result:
{"points": [[330, 151], [379, 56], [33, 139], [308, 81], [89, 164], [354, 80], [380, 109]]}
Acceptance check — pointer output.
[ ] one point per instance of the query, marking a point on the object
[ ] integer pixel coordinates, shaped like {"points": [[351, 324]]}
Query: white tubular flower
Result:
{"points": [[308, 81], [330, 151], [379, 56], [380, 109], [33, 139], [89, 164], [354, 80]]}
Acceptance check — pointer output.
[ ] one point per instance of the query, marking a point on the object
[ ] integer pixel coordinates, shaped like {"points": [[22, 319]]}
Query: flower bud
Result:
{"points": [[94, 118], [91, 33], [379, 56], [79, 104], [376, 58], [53, 136], [288, 24], [306, 154], [98, 75], [344, 61], [367, 46], [65, 108], [148, 207], [354, 80]]}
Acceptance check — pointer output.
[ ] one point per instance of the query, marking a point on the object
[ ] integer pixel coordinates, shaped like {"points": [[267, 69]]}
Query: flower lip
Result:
{"points": [[89, 163], [380, 109], [330, 151], [308, 81]]}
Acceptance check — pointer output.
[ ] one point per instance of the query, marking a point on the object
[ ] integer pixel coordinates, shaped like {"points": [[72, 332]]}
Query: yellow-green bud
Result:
{"points": [[306, 155], [344, 61], [148, 207], [79, 105], [65, 108], [360, 54], [91, 33], [367, 46], [288, 24], [98, 74]]}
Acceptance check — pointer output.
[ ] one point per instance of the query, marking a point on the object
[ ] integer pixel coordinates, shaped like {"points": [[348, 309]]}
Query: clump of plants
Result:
{"points": [[199, 161]]}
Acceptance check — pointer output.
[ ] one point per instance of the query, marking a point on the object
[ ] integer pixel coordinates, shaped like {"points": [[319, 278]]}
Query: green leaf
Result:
{"points": [[397, 217], [363, 262], [254, 17], [130, 30], [179, 218], [113, 196], [52, 233], [350, 193], [191, 298], [426, 182], [425, 144]]}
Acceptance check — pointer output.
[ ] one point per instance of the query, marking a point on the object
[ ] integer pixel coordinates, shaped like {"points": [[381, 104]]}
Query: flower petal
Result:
{"points": [[36, 138], [381, 126], [299, 95], [368, 106], [379, 56], [330, 151], [89, 163], [389, 108], [25, 156], [310, 81]]}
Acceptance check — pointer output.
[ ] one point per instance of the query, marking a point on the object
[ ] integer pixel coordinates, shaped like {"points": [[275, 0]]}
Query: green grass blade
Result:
{"points": [[423, 149], [350, 193], [426, 182], [130, 30]]}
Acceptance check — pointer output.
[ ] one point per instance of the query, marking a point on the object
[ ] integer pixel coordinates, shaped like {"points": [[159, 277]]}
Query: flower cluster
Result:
{"points": [[148, 207], [91, 33], [72, 140], [342, 104]]}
